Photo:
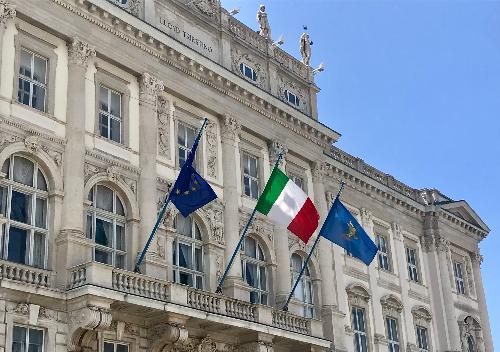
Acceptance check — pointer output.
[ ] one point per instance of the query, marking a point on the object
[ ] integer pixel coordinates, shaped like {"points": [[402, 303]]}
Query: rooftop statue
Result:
{"points": [[265, 29], [305, 47]]}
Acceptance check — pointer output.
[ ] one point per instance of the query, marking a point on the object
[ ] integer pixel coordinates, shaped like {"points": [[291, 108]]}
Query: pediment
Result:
{"points": [[463, 210]]}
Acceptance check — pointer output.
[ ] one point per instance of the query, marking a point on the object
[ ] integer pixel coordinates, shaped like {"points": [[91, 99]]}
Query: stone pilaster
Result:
{"points": [[230, 139], [283, 278], [477, 259], [149, 88], [333, 325], [71, 243], [7, 13]]}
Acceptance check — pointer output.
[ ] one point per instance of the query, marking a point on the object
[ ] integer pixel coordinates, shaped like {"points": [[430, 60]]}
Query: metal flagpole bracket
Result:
{"points": [[304, 266], [242, 237]]}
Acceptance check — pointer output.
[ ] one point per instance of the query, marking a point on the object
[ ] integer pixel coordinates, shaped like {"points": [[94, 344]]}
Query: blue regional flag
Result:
{"points": [[190, 190], [342, 228]]}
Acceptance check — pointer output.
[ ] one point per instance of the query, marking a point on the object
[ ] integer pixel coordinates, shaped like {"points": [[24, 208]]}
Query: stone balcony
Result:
{"points": [[137, 293]]}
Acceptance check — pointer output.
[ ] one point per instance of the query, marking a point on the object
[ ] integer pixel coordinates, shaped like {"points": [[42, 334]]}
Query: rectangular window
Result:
{"points": [[299, 181], [392, 334], [185, 140], [27, 339], [32, 80], [359, 328], [459, 277], [114, 347], [110, 114], [292, 98], [411, 258], [383, 253], [251, 176], [248, 72], [422, 339]]}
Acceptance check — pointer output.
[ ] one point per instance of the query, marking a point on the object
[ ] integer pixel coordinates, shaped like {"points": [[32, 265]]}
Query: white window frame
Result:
{"points": [[185, 148], [260, 263], [393, 341], [458, 271], [298, 180], [28, 328], [292, 98], [420, 332], [31, 81], [109, 115], [115, 344], [384, 261], [194, 243], [244, 68], [355, 312], [250, 177], [94, 213], [34, 193], [412, 264], [306, 302]]}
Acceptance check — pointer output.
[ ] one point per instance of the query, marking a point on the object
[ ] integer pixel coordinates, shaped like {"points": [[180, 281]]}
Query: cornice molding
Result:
{"points": [[196, 70]]}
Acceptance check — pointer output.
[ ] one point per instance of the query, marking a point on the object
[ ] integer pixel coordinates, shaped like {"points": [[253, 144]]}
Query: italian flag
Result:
{"points": [[287, 204]]}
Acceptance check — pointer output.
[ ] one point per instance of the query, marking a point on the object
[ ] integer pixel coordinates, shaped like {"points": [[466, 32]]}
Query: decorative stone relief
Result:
{"points": [[258, 226], [209, 8], [427, 243], [442, 244], [6, 138], [80, 52], [231, 129], [470, 281], [160, 246], [174, 335], [150, 87], [421, 316], [295, 88], [136, 7], [330, 197], [380, 339], [238, 57], [211, 138], [367, 219], [215, 216], [168, 220], [207, 345], [396, 231], [85, 320], [218, 267], [319, 171], [165, 110], [357, 296], [391, 306], [476, 258], [275, 149], [7, 12], [113, 174], [19, 308]]}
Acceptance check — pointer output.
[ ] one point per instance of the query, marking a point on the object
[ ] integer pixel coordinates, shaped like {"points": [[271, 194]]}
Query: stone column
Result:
{"points": [[230, 139], [477, 259], [283, 278], [7, 12], [443, 252], [149, 89], [332, 319], [71, 240]]}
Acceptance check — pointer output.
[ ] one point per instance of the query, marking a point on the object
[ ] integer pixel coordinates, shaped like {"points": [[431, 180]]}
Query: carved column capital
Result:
{"points": [[275, 148], [150, 87], [427, 243], [7, 12], [80, 52], [476, 258], [442, 244], [319, 171], [231, 129]]}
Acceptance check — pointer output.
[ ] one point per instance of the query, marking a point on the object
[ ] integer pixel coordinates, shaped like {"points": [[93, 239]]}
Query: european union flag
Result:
{"points": [[342, 228], [190, 190]]}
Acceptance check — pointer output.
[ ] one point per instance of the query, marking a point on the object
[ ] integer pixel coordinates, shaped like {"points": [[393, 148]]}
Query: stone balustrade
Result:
{"points": [[105, 276], [25, 274]]}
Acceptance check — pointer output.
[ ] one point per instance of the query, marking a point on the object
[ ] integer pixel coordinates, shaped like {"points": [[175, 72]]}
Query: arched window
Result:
{"points": [[188, 253], [471, 344], [106, 226], [304, 290], [23, 202], [254, 272]]}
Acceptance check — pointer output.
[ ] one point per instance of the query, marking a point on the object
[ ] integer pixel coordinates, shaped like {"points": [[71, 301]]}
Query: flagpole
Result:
{"points": [[242, 237], [304, 266], [163, 210]]}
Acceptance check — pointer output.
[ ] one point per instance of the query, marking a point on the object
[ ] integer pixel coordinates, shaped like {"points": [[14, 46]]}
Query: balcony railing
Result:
{"points": [[25, 274], [103, 275]]}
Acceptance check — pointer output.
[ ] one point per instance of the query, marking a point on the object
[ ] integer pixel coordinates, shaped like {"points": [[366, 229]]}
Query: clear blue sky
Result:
{"points": [[414, 89]]}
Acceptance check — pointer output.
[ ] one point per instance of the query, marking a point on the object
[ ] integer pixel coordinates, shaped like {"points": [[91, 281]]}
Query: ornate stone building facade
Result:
{"points": [[99, 104]]}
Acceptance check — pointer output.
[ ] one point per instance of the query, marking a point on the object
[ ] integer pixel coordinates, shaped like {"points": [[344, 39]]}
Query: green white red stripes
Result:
{"points": [[287, 204]]}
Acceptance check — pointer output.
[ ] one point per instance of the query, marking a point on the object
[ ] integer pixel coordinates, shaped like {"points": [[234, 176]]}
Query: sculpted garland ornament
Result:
{"points": [[80, 52]]}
